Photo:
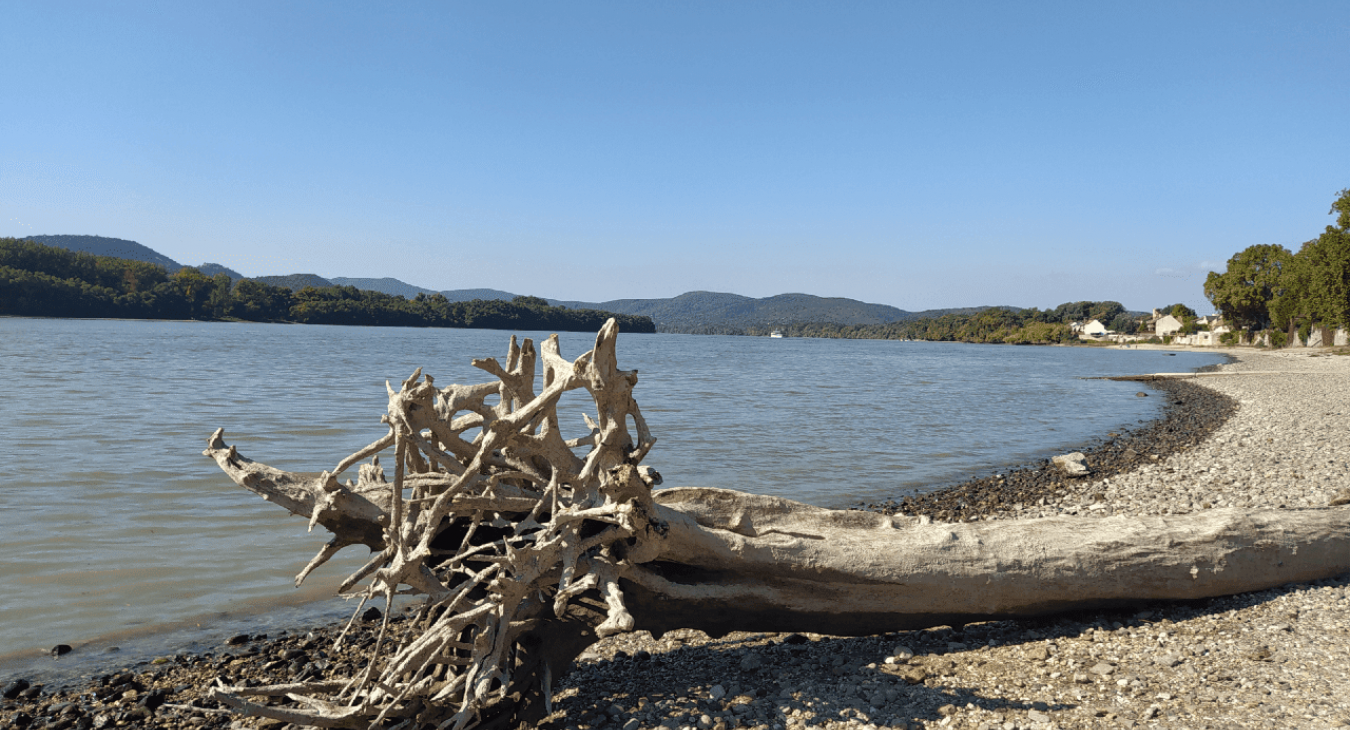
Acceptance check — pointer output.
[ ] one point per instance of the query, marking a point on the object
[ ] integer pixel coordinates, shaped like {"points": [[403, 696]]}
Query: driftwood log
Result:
{"points": [[529, 546]]}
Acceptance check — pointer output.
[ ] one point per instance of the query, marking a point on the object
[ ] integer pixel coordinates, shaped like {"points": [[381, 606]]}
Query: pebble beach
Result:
{"points": [[1267, 430]]}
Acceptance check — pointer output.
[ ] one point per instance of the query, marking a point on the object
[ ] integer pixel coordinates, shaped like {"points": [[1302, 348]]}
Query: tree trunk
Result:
{"points": [[527, 552]]}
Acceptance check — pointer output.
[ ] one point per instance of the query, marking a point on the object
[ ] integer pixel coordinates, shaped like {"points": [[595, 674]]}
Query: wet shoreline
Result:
{"points": [[1193, 413]]}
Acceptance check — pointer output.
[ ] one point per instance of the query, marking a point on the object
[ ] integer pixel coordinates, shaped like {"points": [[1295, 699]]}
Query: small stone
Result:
{"points": [[1170, 659], [61, 649], [947, 710], [914, 675], [1038, 716], [1103, 669], [751, 662], [1258, 653], [632, 724], [795, 639], [13, 689], [717, 692], [902, 654], [1038, 653], [1141, 394], [1081, 678], [237, 640], [1074, 465], [372, 614]]}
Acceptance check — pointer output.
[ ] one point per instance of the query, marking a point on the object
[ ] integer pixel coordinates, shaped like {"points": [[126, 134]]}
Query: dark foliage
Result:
{"points": [[37, 280]]}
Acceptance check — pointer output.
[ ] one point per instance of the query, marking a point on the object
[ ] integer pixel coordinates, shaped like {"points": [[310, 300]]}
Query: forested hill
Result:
{"points": [[296, 282], [46, 281], [394, 287], [102, 246], [716, 312]]}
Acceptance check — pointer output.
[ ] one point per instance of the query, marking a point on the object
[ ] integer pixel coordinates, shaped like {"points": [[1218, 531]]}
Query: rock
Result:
{"points": [[1074, 465], [1038, 716], [61, 649], [13, 689], [902, 654], [751, 662], [795, 639], [1170, 659], [717, 692], [947, 710], [1258, 653], [1141, 394], [1038, 653], [372, 614], [237, 640], [914, 675], [1103, 669]]}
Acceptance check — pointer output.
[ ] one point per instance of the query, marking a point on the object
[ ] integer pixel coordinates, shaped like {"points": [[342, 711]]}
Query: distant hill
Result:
{"points": [[396, 288], [699, 311], [213, 269], [702, 311], [468, 295], [392, 287], [102, 246], [295, 282]]}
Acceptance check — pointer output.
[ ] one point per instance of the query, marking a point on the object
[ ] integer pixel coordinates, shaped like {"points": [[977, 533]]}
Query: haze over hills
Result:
{"points": [[696, 312]]}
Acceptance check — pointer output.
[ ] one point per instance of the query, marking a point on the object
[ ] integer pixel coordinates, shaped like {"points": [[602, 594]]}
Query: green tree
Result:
{"points": [[1244, 293]]}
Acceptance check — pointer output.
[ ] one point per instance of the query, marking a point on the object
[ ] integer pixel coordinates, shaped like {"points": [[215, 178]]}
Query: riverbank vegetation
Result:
{"points": [[43, 281], [1003, 325], [1269, 288]]}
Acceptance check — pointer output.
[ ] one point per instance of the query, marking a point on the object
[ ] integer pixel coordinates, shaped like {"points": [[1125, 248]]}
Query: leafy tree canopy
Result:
{"points": [[1243, 293]]}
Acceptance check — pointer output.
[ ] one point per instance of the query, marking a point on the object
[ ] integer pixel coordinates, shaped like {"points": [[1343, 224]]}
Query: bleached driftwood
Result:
{"points": [[528, 551]]}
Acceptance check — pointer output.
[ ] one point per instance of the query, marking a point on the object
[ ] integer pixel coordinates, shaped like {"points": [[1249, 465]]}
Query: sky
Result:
{"points": [[917, 154]]}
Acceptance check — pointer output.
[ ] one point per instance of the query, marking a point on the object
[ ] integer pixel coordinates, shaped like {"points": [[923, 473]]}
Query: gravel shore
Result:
{"points": [[1276, 658]]}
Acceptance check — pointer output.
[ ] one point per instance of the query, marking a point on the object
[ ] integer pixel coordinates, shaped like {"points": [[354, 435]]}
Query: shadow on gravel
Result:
{"points": [[790, 680]]}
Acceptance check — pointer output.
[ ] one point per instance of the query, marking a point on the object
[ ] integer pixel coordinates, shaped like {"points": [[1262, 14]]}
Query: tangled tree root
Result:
{"points": [[526, 552]]}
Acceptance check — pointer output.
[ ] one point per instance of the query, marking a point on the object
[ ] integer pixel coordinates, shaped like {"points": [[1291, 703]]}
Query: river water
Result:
{"points": [[118, 537]]}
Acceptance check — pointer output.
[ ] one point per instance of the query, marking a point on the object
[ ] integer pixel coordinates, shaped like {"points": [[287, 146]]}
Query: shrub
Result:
{"points": [[1304, 332]]}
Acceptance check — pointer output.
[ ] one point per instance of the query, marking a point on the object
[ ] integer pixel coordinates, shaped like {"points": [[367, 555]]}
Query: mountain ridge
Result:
{"points": [[693, 312]]}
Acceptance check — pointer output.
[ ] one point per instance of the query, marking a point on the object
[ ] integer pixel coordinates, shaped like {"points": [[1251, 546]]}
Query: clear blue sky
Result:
{"points": [[921, 155]]}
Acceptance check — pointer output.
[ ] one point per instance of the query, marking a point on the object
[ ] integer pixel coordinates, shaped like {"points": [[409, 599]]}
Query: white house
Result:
{"points": [[1167, 325], [1095, 328]]}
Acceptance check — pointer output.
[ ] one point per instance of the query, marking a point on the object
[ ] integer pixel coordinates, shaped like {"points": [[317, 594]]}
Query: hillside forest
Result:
{"points": [[44, 281]]}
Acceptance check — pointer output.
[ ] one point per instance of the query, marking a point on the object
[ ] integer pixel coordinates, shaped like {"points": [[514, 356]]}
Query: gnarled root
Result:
{"points": [[527, 551]]}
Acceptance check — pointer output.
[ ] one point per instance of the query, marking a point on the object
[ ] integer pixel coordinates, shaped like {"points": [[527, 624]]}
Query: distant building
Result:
{"points": [[1095, 328], [1166, 325]]}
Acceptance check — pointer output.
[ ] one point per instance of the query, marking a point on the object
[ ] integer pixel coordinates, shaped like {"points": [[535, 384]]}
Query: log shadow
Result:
{"points": [[791, 681]]}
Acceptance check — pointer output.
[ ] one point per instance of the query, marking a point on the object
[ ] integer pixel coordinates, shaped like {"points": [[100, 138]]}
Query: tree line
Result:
{"points": [[995, 325], [44, 281], [1268, 288]]}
